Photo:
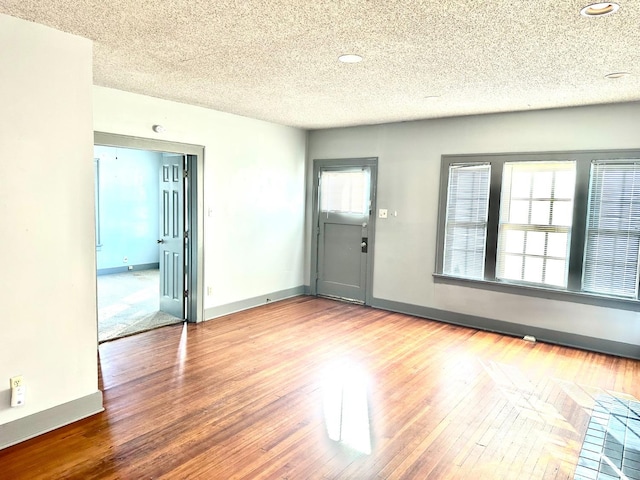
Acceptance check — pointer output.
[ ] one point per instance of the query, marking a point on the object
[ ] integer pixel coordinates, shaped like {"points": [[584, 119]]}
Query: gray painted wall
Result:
{"points": [[129, 207], [408, 182]]}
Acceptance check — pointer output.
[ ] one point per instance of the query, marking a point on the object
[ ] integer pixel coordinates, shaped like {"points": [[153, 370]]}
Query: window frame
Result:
{"points": [[448, 222], [505, 225], [604, 201], [572, 292]]}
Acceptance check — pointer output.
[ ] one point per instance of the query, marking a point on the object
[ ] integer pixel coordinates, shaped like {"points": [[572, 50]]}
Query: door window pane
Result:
{"points": [[344, 192]]}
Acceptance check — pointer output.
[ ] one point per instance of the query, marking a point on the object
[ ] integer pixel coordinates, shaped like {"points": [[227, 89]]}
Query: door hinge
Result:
{"points": [[186, 293], [185, 173], [186, 234]]}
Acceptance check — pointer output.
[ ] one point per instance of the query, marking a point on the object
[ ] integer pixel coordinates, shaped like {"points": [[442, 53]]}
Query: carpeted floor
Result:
{"points": [[128, 303]]}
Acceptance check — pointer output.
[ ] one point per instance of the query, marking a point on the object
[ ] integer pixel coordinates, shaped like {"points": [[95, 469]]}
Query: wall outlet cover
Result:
{"points": [[16, 382], [18, 396]]}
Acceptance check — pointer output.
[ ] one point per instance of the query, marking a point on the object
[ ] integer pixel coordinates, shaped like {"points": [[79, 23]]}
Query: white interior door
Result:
{"points": [[171, 241]]}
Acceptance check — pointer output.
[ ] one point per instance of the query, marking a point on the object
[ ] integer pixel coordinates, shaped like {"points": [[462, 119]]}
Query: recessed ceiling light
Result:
{"points": [[617, 75], [599, 9], [350, 58]]}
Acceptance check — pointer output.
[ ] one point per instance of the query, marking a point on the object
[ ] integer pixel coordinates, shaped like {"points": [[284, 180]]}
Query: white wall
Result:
{"points": [[47, 278], [253, 189], [408, 181]]}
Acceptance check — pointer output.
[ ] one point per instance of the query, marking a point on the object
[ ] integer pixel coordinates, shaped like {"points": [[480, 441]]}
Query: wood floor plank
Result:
{"points": [[247, 396]]}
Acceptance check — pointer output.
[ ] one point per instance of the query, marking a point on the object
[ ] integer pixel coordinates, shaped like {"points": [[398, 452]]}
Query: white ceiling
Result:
{"points": [[276, 60]]}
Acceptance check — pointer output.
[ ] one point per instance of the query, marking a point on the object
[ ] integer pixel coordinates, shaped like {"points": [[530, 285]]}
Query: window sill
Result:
{"points": [[541, 292]]}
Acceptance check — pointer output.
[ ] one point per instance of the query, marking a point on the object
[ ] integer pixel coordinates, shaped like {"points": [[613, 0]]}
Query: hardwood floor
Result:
{"points": [[257, 395]]}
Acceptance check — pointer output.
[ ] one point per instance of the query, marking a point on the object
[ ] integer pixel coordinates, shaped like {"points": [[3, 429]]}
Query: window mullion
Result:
{"points": [[442, 215], [578, 230], [493, 219]]}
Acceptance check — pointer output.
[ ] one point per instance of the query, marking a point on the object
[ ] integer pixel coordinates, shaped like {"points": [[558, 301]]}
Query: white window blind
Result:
{"points": [[536, 214], [613, 230], [345, 192], [466, 220]]}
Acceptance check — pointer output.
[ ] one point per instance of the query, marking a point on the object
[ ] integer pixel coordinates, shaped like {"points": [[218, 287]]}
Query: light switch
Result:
{"points": [[382, 213]]}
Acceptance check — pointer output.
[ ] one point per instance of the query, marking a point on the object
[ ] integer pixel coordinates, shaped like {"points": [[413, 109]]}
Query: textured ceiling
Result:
{"points": [[276, 60]]}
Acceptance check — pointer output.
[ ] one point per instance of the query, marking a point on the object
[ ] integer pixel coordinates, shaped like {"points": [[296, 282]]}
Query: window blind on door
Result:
{"points": [[612, 238], [466, 220]]}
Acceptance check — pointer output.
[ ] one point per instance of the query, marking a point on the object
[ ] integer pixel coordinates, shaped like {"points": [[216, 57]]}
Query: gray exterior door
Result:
{"points": [[171, 242], [343, 226]]}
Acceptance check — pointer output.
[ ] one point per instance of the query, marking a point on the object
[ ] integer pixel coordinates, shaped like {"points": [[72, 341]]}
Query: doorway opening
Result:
{"points": [[342, 246], [128, 303], [148, 234]]}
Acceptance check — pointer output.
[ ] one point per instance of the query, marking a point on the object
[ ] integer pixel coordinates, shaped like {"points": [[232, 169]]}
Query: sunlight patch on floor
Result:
{"points": [[345, 402]]}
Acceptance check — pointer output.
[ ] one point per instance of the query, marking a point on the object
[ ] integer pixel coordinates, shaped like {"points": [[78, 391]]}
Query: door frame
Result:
{"points": [[194, 254], [337, 163]]}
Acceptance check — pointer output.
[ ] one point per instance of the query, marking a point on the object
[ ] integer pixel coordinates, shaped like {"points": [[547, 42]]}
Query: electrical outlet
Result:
{"points": [[18, 396], [16, 382], [209, 291], [17, 391]]}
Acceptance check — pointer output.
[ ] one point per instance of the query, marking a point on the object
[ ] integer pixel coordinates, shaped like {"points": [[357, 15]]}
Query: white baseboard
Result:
{"points": [[42, 422], [234, 307]]}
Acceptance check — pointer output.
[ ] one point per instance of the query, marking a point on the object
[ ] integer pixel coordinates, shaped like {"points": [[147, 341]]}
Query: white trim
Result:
{"points": [[219, 311], [42, 422]]}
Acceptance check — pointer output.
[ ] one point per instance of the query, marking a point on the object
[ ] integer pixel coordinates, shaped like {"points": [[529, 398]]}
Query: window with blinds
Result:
{"points": [[536, 214], [612, 240], [560, 225], [466, 220], [345, 192]]}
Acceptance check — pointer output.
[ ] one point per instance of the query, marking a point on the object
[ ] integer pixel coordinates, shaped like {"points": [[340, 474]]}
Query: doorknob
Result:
{"points": [[160, 241]]}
